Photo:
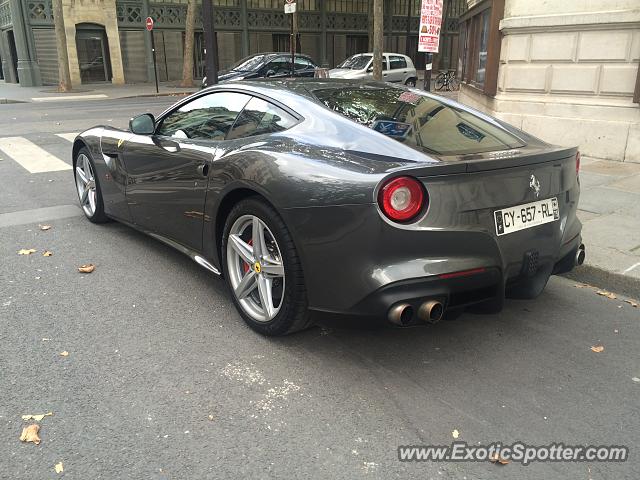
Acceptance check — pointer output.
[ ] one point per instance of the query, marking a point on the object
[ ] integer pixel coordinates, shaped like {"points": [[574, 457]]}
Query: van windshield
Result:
{"points": [[418, 120]]}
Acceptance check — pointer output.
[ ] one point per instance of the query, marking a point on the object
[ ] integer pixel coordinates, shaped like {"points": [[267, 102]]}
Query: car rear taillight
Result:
{"points": [[577, 163], [402, 198]]}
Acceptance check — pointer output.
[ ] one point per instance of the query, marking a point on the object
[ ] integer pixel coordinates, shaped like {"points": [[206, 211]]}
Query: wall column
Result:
{"points": [[28, 69]]}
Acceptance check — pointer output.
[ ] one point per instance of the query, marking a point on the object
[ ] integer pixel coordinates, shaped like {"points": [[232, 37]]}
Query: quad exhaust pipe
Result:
{"points": [[402, 314], [580, 255], [431, 311]]}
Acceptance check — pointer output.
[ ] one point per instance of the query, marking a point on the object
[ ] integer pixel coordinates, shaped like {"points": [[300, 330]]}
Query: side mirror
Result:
{"points": [[143, 124], [370, 69]]}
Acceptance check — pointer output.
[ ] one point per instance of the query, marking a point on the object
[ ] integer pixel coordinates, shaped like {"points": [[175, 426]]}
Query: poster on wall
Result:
{"points": [[430, 25]]}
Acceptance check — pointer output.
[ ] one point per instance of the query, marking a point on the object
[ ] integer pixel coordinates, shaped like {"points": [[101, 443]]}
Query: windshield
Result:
{"points": [[249, 64], [357, 62], [418, 120]]}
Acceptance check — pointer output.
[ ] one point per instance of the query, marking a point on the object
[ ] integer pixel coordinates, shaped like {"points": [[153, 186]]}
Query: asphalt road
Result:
{"points": [[163, 380]]}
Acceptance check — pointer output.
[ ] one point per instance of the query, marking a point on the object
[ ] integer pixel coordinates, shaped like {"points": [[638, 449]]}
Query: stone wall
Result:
{"points": [[567, 74], [100, 12]]}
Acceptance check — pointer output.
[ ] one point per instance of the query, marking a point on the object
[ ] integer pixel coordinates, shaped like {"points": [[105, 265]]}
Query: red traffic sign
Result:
{"points": [[149, 23]]}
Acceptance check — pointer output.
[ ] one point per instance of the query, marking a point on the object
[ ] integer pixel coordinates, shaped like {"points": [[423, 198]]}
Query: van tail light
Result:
{"points": [[401, 199], [577, 163]]}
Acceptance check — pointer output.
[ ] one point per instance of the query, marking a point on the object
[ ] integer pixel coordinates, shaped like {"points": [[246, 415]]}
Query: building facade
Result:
{"points": [[107, 40], [567, 72]]}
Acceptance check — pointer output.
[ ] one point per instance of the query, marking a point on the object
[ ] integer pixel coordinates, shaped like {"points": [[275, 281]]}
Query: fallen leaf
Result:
{"points": [[30, 434], [604, 293], [45, 227], [597, 348], [37, 417], [581, 285], [632, 303], [59, 467], [26, 251], [64, 354], [87, 268], [455, 434], [496, 458], [47, 253], [211, 417]]}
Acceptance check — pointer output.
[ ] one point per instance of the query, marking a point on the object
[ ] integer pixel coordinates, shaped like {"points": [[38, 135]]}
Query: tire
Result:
{"points": [[453, 84], [93, 206], [411, 82], [440, 82], [288, 291]]}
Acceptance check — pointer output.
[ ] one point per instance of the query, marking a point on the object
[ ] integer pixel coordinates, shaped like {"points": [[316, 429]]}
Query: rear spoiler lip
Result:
{"points": [[532, 157]]}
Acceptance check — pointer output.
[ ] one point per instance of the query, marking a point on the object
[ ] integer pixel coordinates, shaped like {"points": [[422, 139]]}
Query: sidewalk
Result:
{"points": [[12, 92], [609, 210]]}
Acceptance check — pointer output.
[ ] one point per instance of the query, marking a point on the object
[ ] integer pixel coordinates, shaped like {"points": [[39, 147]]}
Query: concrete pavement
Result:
{"points": [[11, 92], [609, 210]]}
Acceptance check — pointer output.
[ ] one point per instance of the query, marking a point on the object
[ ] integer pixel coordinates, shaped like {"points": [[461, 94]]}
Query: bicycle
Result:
{"points": [[447, 79]]}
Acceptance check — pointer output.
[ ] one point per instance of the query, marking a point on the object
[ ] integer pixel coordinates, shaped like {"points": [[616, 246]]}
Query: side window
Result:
{"points": [[260, 117], [302, 64], [279, 66], [398, 62], [206, 118]]}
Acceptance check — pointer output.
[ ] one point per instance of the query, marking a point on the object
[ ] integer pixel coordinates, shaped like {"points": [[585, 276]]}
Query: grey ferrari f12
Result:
{"points": [[356, 198]]}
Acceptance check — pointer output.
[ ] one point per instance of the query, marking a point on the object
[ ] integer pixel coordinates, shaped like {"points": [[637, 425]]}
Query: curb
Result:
{"points": [[606, 280], [8, 100], [171, 94]]}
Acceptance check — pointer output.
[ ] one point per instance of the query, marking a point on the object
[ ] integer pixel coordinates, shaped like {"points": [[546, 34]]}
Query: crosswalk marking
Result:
{"points": [[30, 156], [68, 136]]}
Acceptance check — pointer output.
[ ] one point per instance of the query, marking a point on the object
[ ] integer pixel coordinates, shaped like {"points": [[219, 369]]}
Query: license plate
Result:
{"points": [[520, 217]]}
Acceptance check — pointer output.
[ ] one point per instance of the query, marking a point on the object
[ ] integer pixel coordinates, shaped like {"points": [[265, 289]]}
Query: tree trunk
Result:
{"points": [[64, 78], [187, 62], [378, 38], [370, 24]]}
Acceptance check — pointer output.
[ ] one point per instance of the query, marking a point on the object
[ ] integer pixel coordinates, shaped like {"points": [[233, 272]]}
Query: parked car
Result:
{"points": [[267, 65], [396, 68], [342, 196]]}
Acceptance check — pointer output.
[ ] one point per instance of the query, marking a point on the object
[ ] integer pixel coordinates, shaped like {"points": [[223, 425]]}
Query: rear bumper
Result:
{"points": [[357, 264]]}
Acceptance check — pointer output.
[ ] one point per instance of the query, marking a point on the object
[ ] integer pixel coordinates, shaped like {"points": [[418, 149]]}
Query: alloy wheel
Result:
{"points": [[86, 185], [256, 269]]}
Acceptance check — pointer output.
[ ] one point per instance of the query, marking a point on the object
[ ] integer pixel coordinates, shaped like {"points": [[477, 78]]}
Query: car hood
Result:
{"points": [[346, 73]]}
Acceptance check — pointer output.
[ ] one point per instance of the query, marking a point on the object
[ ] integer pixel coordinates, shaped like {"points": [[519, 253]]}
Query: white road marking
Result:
{"points": [[631, 268], [68, 136], [30, 156], [69, 97]]}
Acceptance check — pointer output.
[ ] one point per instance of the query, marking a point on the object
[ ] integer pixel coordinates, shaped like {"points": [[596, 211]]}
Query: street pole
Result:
{"points": [[292, 44], [155, 64], [378, 36], [428, 58], [211, 50]]}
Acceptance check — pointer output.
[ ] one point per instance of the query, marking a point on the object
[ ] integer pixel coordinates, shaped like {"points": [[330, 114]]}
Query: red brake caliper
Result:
{"points": [[246, 266]]}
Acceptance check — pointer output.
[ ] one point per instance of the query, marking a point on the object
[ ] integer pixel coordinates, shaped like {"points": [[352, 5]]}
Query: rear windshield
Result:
{"points": [[417, 120]]}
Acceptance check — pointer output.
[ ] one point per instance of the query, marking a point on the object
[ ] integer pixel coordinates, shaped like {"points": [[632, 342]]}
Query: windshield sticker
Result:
{"points": [[470, 132], [391, 128], [409, 97]]}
